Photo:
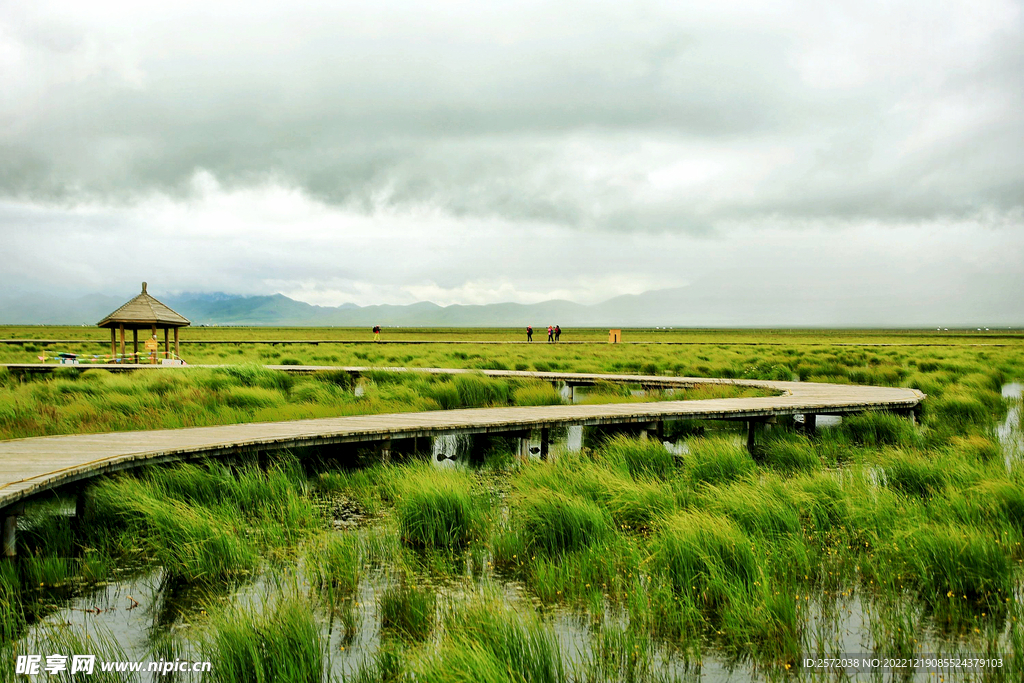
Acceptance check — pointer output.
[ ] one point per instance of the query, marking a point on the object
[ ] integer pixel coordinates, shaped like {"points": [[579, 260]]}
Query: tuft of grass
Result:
{"points": [[334, 563], [879, 429], [705, 557], [282, 643], [914, 475], [716, 460], [407, 611], [437, 508], [954, 562], [536, 394], [552, 522], [487, 641], [639, 458], [253, 375], [785, 451]]}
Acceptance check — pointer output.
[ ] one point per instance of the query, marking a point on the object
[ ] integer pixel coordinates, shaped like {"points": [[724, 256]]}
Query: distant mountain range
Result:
{"points": [[713, 302]]}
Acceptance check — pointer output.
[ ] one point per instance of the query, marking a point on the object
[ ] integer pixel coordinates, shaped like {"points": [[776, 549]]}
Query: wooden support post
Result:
{"points": [[122, 341], [10, 534], [177, 353], [659, 430], [545, 442], [153, 353], [751, 426], [167, 342], [810, 422], [79, 518], [80, 502], [113, 341], [135, 343]]}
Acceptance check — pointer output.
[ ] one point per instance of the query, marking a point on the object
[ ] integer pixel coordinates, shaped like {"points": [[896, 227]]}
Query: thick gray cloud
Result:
{"points": [[474, 152], [534, 111]]}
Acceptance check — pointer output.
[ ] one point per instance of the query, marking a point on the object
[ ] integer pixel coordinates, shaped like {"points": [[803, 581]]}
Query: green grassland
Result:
{"points": [[78, 401], [880, 535]]}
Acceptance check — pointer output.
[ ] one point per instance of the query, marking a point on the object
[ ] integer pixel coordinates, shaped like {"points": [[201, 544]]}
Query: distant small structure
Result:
{"points": [[614, 336], [144, 313]]}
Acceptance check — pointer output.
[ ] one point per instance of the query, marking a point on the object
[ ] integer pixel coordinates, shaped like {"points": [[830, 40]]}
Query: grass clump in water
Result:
{"points": [[487, 641], [705, 557], [407, 611], [203, 523], [957, 562], [334, 563], [553, 522], [437, 508], [282, 643]]}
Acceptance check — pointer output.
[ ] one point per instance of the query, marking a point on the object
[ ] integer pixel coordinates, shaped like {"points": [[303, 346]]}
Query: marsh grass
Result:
{"points": [[407, 611], [639, 458], [706, 557], [552, 522], [486, 641], [716, 460], [709, 554], [334, 564], [437, 508], [204, 522], [281, 642]]}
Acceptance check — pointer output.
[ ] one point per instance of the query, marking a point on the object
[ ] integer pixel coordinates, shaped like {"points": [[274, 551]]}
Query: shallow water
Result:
{"points": [[1009, 432]]}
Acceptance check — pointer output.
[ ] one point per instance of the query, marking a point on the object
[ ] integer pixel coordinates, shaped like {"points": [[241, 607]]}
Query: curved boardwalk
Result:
{"points": [[34, 465]]}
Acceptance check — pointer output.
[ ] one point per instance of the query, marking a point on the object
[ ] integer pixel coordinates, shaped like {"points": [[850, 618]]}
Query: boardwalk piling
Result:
{"points": [[545, 442], [10, 534], [810, 422], [751, 426]]}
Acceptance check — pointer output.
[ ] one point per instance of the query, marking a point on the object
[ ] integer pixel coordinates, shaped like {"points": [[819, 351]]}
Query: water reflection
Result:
{"points": [[1009, 432]]}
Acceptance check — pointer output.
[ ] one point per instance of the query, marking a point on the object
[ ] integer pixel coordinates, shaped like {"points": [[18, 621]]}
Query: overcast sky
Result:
{"points": [[477, 152]]}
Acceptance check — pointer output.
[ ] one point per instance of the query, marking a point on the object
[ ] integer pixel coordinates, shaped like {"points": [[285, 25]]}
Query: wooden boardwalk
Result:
{"points": [[34, 465]]}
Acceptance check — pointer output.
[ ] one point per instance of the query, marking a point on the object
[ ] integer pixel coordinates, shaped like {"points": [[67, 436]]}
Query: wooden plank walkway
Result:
{"points": [[33, 465]]}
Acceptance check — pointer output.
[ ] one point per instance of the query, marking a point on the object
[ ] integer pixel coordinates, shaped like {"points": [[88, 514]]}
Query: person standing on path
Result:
{"points": [[551, 333], [558, 332], [529, 333], [376, 333]]}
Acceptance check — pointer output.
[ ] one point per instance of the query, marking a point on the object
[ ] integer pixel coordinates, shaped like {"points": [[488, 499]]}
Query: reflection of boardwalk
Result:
{"points": [[29, 466]]}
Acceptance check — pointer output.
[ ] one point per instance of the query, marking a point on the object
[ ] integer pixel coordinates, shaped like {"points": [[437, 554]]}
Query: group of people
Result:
{"points": [[553, 333]]}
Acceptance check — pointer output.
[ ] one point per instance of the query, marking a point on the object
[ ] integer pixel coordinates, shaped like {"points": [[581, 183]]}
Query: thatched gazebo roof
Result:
{"points": [[144, 311]]}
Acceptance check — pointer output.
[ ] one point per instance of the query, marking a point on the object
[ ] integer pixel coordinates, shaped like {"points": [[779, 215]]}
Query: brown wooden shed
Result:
{"points": [[144, 313]]}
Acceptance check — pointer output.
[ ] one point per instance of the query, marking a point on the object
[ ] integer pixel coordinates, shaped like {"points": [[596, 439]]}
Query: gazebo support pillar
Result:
{"points": [[167, 342], [177, 353], [122, 341], [135, 343], [113, 342]]}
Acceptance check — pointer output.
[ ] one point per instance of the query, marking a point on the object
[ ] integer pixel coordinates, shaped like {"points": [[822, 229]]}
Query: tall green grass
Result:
{"points": [[281, 643], [204, 523], [486, 641], [407, 611], [553, 522], [437, 508]]}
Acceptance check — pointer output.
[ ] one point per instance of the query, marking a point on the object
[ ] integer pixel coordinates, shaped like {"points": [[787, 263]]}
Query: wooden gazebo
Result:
{"points": [[144, 313]]}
